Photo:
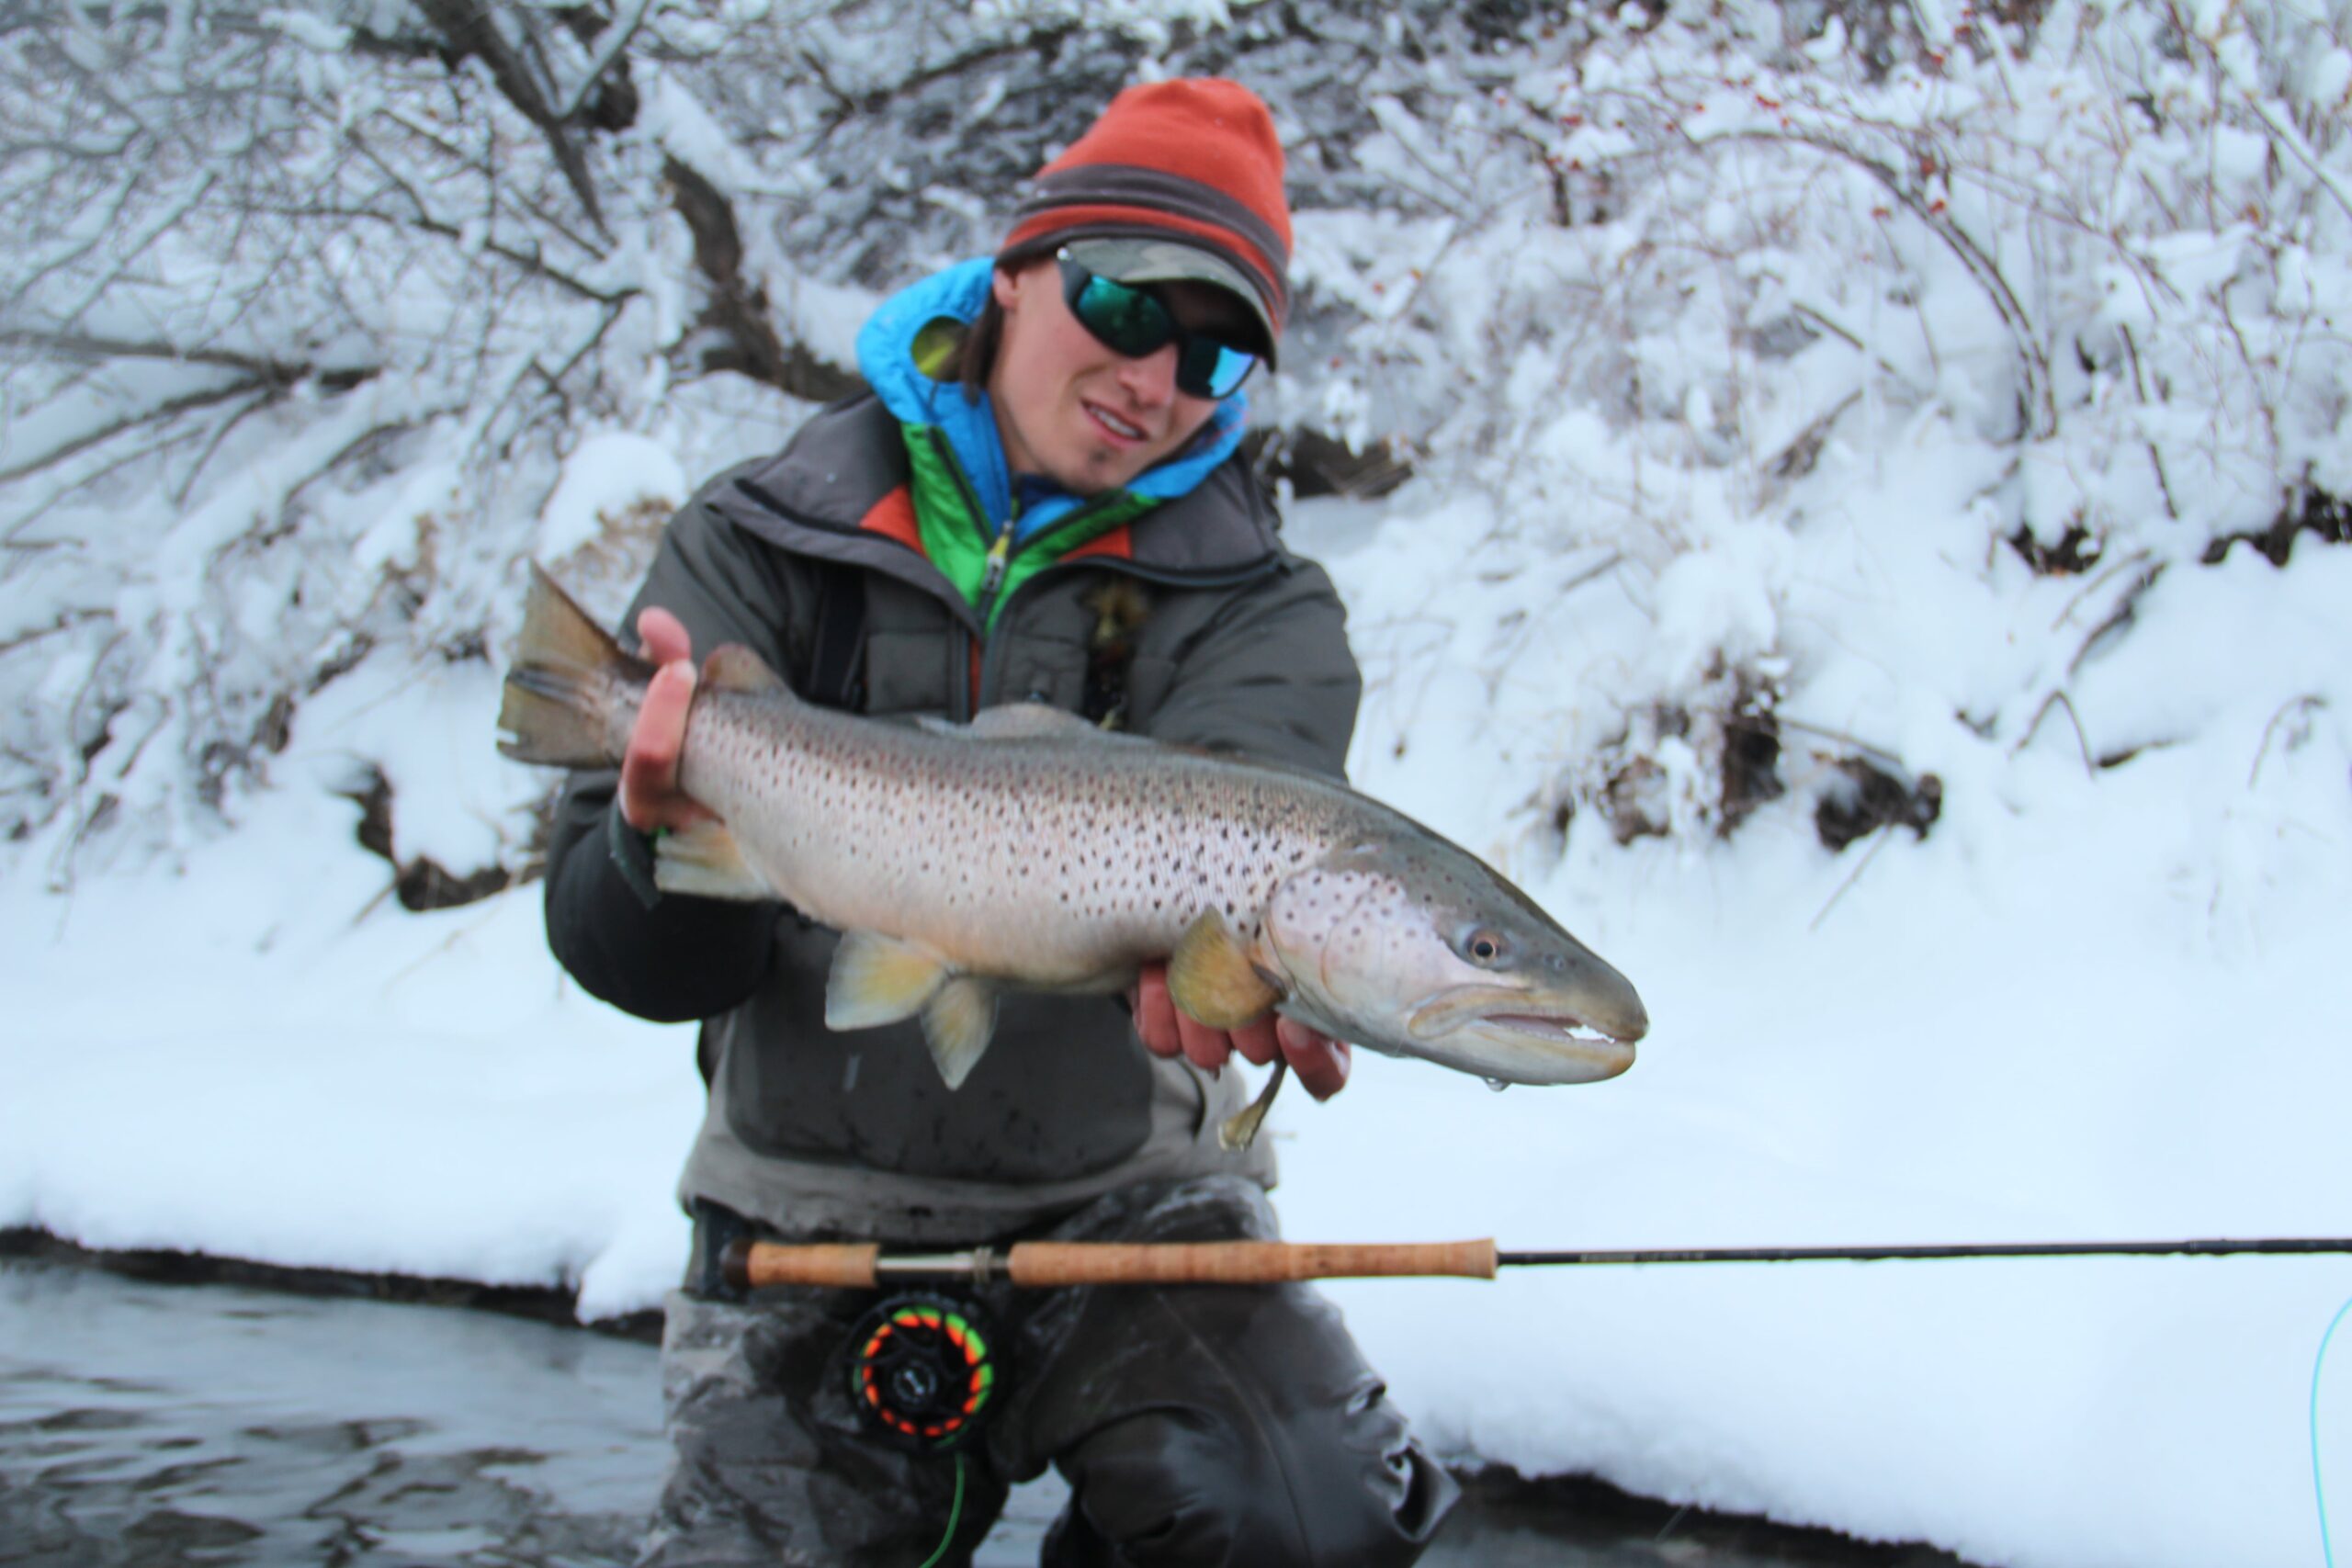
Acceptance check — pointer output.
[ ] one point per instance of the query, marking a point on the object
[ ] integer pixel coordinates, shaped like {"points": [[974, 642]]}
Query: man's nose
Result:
{"points": [[1151, 380]]}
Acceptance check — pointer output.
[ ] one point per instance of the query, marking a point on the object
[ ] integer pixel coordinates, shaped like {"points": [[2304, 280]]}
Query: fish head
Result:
{"points": [[1416, 948]]}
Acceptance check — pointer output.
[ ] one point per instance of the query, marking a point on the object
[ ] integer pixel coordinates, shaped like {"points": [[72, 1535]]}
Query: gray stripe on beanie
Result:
{"points": [[1126, 184]]}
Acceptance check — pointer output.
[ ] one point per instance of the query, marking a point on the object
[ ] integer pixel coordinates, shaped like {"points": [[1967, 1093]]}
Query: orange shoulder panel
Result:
{"points": [[1119, 544], [893, 516]]}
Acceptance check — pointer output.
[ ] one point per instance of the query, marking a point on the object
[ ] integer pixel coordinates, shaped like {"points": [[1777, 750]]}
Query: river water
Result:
{"points": [[149, 1424]]}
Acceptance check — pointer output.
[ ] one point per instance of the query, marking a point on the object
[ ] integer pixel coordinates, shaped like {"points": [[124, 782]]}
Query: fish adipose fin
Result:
{"points": [[566, 668], [705, 860], [1211, 976], [957, 1026]]}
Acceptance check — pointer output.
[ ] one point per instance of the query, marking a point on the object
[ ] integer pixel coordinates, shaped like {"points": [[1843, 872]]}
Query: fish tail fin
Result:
{"points": [[567, 677]]}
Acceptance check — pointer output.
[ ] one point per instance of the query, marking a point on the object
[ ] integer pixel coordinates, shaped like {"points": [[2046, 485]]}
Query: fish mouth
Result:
{"points": [[1513, 1037], [1565, 1033]]}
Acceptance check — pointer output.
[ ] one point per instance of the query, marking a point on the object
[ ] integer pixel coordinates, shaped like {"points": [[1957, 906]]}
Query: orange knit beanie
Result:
{"points": [[1195, 160]]}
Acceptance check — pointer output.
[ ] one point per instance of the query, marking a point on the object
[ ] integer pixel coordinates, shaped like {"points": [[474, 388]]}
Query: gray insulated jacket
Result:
{"points": [[1210, 633]]}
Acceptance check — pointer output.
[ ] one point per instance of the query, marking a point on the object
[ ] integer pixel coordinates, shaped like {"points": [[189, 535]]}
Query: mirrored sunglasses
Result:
{"points": [[1134, 322]]}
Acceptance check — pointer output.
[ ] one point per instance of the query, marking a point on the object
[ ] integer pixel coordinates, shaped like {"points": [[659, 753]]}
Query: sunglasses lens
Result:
{"points": [[1210, 369], [1126, 320]]}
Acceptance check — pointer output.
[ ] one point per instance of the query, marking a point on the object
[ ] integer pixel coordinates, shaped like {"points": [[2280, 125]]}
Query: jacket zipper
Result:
{"points": [[1000, 555]]}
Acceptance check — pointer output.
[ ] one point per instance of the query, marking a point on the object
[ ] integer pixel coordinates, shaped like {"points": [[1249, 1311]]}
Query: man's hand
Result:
{"points": [[1320, 1061], [649, 795]]}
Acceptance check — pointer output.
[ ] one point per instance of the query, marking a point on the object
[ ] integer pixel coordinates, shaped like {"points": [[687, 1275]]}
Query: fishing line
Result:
{"points": [[955, 1517], [2327, 1552]]}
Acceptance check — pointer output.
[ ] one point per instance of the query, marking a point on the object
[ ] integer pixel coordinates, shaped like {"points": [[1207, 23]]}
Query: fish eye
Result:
{"points": [[1484, 946]]}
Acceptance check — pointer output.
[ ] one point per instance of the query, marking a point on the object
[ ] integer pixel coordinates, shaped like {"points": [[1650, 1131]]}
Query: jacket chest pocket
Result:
{"points": [[910, 650]]}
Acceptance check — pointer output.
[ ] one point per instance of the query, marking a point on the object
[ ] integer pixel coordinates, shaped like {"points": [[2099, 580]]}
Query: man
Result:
{"points": [[1040, 500]]}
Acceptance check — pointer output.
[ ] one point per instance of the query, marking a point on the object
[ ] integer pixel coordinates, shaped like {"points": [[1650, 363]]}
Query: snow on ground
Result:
{"points": [[2082, 1008]]}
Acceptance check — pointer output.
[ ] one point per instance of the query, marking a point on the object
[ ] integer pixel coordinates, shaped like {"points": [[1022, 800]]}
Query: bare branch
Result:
{"points": [[2037, 399], [170, 410], [269, 372], [469, 27], [610, 48], [66, 621]]}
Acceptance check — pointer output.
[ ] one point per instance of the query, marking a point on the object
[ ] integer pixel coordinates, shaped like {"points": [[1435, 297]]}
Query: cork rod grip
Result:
{"points": [[751, 1264], [1034, 1263]]}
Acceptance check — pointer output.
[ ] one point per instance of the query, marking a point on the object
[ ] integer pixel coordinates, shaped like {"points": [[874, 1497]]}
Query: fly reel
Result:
{"points": [[923, 1371]]}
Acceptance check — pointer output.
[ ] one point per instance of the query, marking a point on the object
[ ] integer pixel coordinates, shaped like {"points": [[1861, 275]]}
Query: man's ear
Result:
{"points": [[1005, 287]]}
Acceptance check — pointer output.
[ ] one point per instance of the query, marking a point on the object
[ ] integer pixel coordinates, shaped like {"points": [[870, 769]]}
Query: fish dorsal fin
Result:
{"points": [[705, 860], [958, 1025], [735, 668], [1211, 976], [1026, 721], [878, 979]]}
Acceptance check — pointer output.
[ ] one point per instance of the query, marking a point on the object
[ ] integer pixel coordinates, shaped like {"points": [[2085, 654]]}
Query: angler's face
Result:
{"points": [[1078, 411], [1449, 962]]}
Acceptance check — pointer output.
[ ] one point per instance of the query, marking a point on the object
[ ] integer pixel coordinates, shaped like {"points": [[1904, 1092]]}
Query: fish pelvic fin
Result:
{"points": [[1239, 1131], [565, 676], [958, 1025], [1212, 975], [878, 979], [707, 861]]}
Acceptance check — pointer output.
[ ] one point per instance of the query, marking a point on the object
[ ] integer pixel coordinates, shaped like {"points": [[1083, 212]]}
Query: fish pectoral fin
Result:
{"points": [[1024, 721], [1239, 1131], [734, 668], [706, 859], [879, 979], [1212, 975], [958, 1025]]}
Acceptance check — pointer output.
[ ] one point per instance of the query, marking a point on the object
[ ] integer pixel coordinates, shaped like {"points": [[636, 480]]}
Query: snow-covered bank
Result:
{"points": [[2110, 1015]]}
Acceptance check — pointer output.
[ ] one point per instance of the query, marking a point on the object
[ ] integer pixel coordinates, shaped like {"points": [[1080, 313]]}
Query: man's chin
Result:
{"points": [[1104, 468]]}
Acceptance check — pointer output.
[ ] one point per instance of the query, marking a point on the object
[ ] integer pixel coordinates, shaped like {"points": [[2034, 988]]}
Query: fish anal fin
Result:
{"points": [[958, 1025], [706, 860], [1212, 975], [878, 979], [734, 668]]}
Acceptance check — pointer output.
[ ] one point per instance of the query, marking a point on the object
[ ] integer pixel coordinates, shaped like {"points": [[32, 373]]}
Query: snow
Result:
{"points": [[1714, 430]]}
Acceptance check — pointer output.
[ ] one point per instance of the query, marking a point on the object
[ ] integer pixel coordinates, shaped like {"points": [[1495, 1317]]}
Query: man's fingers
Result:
{"points": [[1321, 1063], [650, 797], [661, 637], [1155, 1012], [1204, 1047], [1257, 1040]]}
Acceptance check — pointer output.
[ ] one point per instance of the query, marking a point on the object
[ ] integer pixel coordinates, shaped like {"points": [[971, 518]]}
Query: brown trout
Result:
{"points": [[1032, 851]]}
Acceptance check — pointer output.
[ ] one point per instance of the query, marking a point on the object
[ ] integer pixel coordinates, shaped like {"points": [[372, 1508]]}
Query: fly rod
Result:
{"points": [[750, 1264]]}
